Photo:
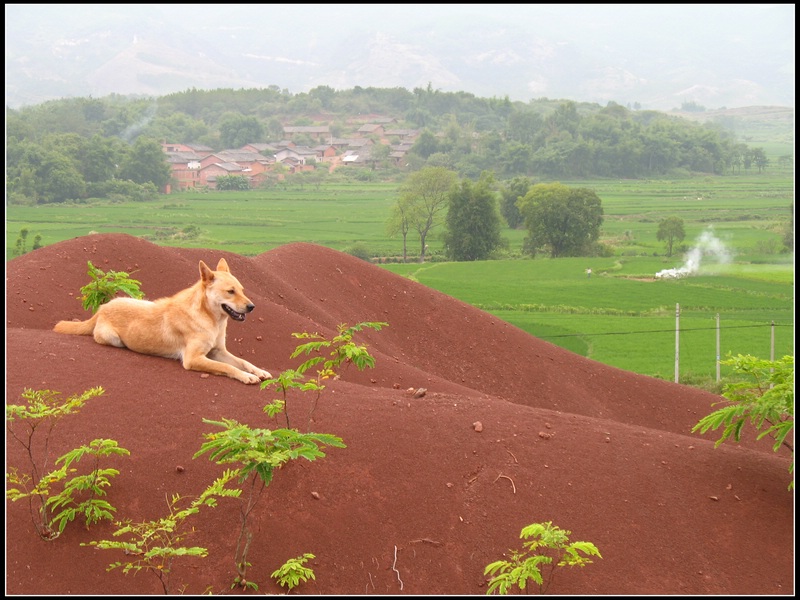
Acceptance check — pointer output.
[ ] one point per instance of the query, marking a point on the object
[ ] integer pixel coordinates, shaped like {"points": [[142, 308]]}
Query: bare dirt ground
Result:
{"points": [[422, 498]]}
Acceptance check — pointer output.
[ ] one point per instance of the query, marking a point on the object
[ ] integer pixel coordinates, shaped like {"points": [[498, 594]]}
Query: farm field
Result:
{"points": [[742, 210], [624, 316], [621, 316]]}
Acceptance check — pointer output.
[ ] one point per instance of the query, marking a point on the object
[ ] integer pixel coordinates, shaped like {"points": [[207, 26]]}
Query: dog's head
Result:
{"points": [[224, 292]]}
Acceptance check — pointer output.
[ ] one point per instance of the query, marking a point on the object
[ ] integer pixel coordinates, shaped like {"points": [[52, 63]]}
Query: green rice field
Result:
{"points": [[622, 315]]}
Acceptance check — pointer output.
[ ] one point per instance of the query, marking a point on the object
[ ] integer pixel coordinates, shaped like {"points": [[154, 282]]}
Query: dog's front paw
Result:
{"points": [[248, 378], [263, 374]]}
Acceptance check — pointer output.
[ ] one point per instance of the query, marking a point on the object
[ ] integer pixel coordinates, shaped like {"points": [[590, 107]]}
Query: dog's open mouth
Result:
{"points": [[232, 313]]}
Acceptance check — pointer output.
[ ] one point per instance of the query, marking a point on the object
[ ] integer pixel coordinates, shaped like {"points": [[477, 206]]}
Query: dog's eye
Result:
{"points": [[231, 292]]}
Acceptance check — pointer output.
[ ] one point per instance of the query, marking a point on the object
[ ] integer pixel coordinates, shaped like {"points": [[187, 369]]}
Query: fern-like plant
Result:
{"points": [[341, 351], [258, 452], [549, 548], [764, 397], [153, 546], [291, 573], [105, 286], [81, 494]]}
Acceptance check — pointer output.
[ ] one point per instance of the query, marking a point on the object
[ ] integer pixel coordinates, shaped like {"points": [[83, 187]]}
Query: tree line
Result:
{"points": [[560, 220], [77, 148]]}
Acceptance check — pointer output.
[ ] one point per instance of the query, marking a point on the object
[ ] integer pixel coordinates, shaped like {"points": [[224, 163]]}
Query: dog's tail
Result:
{"points": [[76, 327]]}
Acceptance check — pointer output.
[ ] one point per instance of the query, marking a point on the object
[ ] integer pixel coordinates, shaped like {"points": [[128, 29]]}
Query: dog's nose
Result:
{"points": [[250, 307]]}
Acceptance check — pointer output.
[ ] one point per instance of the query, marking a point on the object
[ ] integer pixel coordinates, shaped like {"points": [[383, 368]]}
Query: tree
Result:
{"points": [[146, 162], [565, 220], [511, 192], [473, 221], [60, 180], [760, 159], [236, 130], [426, 144], [98, 158], [425, 194], [670, 230], [379, 155], [400, 222]]}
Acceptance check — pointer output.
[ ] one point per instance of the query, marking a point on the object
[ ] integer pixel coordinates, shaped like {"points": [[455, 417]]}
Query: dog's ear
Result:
{"points": [[206, 274], [222, 265]]}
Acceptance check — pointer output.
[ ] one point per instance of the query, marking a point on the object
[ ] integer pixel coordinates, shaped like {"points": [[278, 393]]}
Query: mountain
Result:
{"points": [[652, 56]]}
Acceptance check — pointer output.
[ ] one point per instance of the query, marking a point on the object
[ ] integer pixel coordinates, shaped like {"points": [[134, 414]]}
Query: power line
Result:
{"points": [[656, 331]]}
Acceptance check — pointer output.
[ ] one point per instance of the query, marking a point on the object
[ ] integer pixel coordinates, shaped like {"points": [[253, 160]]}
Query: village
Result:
{"points": [[196, 166]]}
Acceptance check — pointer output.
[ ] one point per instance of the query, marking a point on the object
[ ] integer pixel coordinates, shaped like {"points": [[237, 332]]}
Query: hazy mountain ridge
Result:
{"points": [[160, 49]]}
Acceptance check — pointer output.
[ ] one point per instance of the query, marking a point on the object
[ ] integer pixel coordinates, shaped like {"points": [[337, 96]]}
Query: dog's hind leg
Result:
{"points": [[107, 335]]}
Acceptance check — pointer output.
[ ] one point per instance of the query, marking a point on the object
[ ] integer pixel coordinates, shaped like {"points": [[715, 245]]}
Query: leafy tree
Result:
{"points": [[400, 222], [236, 130], [473, 221], [524, 125], [146, 162], [99, 158], [565, 220], [510, 193], [60, 180], [379, 155], [179, 127], [21, 246], [516, 158], [760, 159], [765, 398], [426, 144], [670, 230], [788, 230], [425, 197]]}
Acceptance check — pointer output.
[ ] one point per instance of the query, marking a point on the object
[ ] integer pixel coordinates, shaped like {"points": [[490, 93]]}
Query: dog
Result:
{"points": [[189, 326]]}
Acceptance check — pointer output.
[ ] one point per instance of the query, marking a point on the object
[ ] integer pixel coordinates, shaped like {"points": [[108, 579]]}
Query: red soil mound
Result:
{"points": [[420, 501]]}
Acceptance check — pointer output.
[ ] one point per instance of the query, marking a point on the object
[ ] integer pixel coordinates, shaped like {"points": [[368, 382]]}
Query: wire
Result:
{"points": [[544, 337]]}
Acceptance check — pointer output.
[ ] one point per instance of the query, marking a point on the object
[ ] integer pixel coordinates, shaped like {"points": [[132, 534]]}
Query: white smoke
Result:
{"points": [[706, 246], [133, 131]]}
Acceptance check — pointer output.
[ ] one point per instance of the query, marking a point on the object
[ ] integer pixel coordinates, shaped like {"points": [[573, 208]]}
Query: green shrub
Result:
{"points": [[765, 397], [548, 550], [105, 286], [81, 494]]}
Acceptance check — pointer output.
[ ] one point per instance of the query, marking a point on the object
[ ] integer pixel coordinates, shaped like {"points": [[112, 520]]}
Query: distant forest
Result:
{"points": [[91, 147]]}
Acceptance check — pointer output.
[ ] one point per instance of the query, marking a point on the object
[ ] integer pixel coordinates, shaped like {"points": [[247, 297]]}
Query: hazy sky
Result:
{"points": [[657, 54]]}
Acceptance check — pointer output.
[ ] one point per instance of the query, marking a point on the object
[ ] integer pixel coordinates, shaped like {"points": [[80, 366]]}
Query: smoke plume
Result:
{"points": [[707, 246]]}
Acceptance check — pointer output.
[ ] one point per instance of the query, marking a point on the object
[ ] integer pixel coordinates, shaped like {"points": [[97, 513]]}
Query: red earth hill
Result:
{"points": [[429, 490]]}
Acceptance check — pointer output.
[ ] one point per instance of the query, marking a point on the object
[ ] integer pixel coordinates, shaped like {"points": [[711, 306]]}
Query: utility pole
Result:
{"points": [[717, 347], [677, 340]]}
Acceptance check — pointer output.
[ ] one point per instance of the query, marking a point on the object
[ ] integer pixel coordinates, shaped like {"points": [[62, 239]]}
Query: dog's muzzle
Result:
{"points": [[235, 315]]}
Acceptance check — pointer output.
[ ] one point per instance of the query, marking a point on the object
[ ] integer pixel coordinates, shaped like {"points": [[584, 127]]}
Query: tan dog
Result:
{"points": [[189, 326]]}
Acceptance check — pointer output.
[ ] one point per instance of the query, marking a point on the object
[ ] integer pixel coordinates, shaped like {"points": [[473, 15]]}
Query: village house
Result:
{"points": [[263, 149], [401, 134], [210, 172], [185, 169], [321, 133], [195, 165], [370, 129]]}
